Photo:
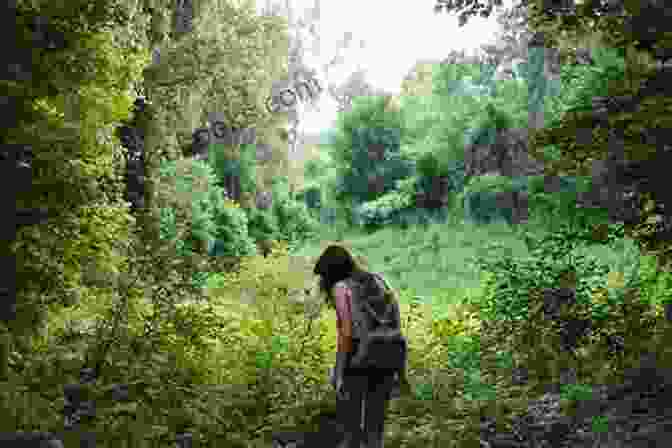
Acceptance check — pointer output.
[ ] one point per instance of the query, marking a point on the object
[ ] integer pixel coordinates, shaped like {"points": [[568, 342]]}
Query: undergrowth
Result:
{"points": [[251, 357]]}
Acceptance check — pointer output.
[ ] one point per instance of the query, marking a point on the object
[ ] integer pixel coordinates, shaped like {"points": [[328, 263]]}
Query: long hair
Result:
{"points": [[334, 265]]}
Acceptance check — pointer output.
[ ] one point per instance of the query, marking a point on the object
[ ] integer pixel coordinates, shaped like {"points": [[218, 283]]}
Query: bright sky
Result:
{"points": [[396, 34]]}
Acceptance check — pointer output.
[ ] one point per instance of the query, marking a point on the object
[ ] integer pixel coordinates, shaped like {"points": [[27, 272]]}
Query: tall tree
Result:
{"points": [[626, 126], [304, 33]]}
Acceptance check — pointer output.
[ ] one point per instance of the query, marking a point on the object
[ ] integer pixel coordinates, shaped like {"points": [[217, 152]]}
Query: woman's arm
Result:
{"points": [[342, 298]]}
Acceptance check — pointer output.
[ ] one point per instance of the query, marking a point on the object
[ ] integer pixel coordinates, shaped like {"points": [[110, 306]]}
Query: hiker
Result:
{"points": [[371, 354]]}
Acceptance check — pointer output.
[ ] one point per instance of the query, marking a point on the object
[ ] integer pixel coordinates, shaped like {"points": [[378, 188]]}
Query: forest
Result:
{"points": [[166, 232]]}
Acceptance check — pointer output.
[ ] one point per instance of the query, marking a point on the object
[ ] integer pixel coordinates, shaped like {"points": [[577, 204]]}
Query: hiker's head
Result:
{"points": [[335, 264]]}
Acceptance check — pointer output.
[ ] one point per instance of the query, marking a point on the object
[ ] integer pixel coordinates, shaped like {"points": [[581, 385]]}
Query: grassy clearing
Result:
{"points": [[435, 261]]}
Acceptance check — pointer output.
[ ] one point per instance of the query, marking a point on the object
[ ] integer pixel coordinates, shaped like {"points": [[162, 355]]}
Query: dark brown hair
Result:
{"points": [[335, 264]]}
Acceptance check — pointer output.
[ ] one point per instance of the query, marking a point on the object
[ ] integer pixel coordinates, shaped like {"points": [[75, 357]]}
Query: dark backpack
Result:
{"points": [[377, 324]]}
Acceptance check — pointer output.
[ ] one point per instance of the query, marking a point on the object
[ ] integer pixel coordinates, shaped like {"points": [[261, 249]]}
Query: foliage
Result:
{"points": [[67, 100], [206, 58], [456, 79], [316, 168], [233, 237], [218, 159], [437, 124], [466, 107], [480, 196], [295, 223], [370, 123], [285, 350], [490, 125], [262, 224], [581, 83], [240, 164], [652, 281], [248, 173], [225, 64], [467, 8], [577, 392], [558, 204], [76, 95], [638, 103], [490, 183], [607, 300], [511, 283], [155, 340], [384, 210], [150, 326], [459, 320], [626, 121], [189, 197], [312, 195]]}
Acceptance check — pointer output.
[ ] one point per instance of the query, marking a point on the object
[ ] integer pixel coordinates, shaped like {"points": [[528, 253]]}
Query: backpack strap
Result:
{"points": [[382, 280], [393, 305]]}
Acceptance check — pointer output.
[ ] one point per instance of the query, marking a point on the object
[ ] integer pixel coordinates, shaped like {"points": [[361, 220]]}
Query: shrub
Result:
{"points": [[598, 334], [555, 205], [312, 196], [191, 206], [295, 223], [233, 239], [510, 281], [384, 210], [480, 196], [262, 224], [285, 350], [189, 194], [243, 167]]}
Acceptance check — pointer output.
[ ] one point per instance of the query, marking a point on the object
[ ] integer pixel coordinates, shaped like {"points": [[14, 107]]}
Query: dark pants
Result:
{"points": [[363, 413]]}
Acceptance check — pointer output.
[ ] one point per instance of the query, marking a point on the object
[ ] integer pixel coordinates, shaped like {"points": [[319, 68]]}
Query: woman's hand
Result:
{"points": [[336, 382], [341, 393]]}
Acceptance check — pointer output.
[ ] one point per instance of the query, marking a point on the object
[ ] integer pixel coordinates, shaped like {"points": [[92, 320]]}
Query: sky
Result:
{"points": [[395, 33]]}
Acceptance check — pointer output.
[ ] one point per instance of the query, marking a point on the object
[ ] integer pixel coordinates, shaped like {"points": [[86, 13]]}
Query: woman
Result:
{"points": [[366, 391]]}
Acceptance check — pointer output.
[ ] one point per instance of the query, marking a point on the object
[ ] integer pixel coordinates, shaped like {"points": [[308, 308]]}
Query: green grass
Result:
{"points": [[435, 261]]}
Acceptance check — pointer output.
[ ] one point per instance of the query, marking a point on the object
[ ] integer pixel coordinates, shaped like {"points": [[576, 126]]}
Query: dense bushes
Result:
{"points": [[312, 196], [517, 299], [295, 223], [554, 261], [190, 197], [582, 83], [482, 197], [389, 208], [262, 224], [234, 239]]}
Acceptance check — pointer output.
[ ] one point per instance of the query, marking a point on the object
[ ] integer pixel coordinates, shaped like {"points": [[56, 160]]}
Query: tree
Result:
{"points": [[636, 104], [70, 91], [366, 151]]}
